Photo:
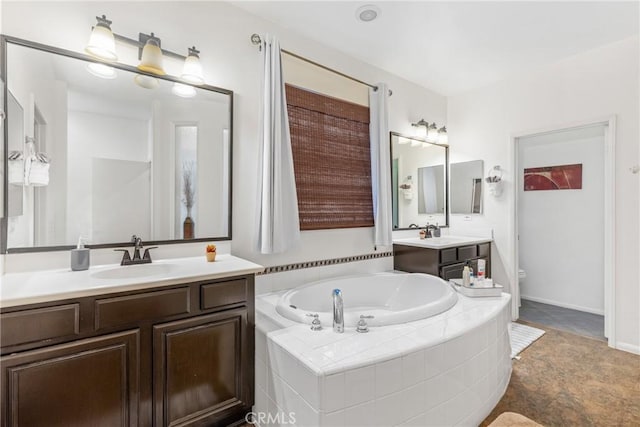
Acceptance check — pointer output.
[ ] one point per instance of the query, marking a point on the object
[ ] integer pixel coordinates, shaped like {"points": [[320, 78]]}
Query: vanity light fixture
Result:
{"points": [[443, 138], [102, 44], [192, 70], [183, 91]]}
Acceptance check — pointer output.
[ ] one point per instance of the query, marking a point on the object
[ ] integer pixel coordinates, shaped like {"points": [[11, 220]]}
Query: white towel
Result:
{"points": [[16, 168], [39, 174]]}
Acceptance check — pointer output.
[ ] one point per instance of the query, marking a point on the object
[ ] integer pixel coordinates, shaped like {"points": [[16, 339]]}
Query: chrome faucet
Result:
{"points": [[137, 245], [432, 230], [338, 311]]}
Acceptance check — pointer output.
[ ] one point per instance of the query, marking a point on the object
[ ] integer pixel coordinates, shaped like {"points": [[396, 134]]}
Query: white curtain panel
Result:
{"points": [[279, 228], [380, 164]]}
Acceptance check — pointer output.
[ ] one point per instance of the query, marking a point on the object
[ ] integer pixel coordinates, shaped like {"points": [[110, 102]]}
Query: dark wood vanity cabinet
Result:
{"points": [[446, 262], [181, 355]]}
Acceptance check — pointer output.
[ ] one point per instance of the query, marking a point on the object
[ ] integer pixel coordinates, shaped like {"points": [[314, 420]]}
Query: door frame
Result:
{"points": [[608, 230]]}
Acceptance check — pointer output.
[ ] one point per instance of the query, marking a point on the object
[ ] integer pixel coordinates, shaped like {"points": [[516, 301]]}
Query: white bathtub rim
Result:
{"points": [[396, 318]]}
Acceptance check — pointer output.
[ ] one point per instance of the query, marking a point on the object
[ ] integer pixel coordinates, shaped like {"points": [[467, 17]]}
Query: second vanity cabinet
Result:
{"points": [[445, 262], [166, 356]]}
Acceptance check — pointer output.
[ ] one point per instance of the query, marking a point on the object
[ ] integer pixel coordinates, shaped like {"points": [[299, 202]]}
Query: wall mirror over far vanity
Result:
{"points": [[419, 182], [105, 157]]}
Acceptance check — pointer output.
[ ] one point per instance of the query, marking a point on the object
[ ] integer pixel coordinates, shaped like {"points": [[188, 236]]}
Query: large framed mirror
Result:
{"points": [[419, 185], [466, 187], [105, 158]]}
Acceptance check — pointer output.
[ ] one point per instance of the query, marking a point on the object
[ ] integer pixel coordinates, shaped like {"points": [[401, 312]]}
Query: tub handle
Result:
{"points": [[315, 324], [362, 324]]}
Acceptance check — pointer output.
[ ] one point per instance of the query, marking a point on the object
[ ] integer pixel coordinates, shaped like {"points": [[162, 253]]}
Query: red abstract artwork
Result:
{"points": [[564, 177]]}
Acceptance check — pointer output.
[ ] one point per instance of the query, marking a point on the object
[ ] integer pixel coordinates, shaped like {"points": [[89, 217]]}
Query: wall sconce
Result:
{"points": [[102, 46]]}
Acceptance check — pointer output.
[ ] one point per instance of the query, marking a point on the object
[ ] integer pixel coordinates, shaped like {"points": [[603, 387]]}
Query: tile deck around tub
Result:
{"points": [[326, 352]]}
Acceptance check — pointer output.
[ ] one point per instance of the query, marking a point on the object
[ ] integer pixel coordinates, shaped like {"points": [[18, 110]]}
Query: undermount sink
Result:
{"points": [[133, 271]]}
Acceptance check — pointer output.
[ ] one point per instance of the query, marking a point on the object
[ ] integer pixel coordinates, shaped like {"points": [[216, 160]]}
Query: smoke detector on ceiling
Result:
{"points": [[367, 13]]}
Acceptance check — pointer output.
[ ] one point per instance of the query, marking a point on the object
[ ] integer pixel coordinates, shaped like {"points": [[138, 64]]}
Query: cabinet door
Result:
{"points": [[200, 369], [91, 382]]}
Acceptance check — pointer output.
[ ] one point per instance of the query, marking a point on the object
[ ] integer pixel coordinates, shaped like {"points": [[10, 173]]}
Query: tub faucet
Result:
{"points": [[338, 312]]}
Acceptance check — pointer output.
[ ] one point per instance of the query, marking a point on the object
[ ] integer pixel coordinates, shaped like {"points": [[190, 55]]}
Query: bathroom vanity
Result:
{"points": [[175, 351], [444, 256]]}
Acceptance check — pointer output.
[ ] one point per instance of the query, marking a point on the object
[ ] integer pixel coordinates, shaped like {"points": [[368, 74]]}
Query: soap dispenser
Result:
{"points": [[80, 259], [466, 275]]}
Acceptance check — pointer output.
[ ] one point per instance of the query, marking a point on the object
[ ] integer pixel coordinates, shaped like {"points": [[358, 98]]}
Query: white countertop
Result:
{"points": [[441, 242], [51, 285]]}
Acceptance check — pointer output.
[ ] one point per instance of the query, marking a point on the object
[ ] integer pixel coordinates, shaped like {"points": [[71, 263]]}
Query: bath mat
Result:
{"points": [[522, 336]]}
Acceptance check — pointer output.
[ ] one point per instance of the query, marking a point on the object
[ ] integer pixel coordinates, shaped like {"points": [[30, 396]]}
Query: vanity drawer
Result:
{"points": [[116, 311], [27, 326], [467, 252], [223, 293], [448, 255], [484, 249]]}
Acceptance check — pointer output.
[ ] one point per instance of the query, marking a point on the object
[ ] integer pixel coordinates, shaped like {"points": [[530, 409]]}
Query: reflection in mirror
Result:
{"points": [[466, 187], [121, 158], [419, 182]]}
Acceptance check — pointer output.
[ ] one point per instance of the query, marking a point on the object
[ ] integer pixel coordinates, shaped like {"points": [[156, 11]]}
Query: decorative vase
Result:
{"points": [[188, 226], [211, 256]]}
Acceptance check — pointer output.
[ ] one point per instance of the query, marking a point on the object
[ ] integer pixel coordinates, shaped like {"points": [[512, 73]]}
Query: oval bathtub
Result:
{"points": [[391, 297]]}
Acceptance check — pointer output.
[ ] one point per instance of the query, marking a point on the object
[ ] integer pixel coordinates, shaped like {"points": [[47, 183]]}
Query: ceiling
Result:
{"points": [[453, 47]]}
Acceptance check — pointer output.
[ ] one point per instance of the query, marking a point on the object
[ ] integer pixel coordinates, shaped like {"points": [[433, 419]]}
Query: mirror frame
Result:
{"points": [[4, 41], [446, 173]]}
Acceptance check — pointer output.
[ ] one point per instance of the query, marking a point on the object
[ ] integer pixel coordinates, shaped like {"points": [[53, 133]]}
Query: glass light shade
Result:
{"points": [[184, 91], [443, 137], [146, 81], [402, 140], [421, 131], [432, 133], [101, 42], [192, 70], [151, 61], [102, 70]]}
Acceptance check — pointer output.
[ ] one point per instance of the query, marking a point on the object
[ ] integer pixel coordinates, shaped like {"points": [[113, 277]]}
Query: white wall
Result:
{"points": [[222, 31], [593, 85], [561, 244]]}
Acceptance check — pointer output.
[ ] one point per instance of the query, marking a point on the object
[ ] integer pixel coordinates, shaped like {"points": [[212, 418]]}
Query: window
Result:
{"points": [[331, 158]]}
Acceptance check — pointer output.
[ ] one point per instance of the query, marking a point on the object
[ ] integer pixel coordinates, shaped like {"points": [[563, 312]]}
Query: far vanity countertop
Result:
{"points": [[441, 242], [52, 285]]}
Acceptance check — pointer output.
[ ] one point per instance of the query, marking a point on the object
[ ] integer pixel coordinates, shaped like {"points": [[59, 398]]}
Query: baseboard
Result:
{"points": [[562, 304], [635, 349]]}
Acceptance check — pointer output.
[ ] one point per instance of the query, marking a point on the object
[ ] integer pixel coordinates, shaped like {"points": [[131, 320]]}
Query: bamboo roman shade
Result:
{"points": [[331, 157]]}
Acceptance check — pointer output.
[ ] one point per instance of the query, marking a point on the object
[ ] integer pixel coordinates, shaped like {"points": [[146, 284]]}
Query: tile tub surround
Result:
{"points": [[450, 369]]}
